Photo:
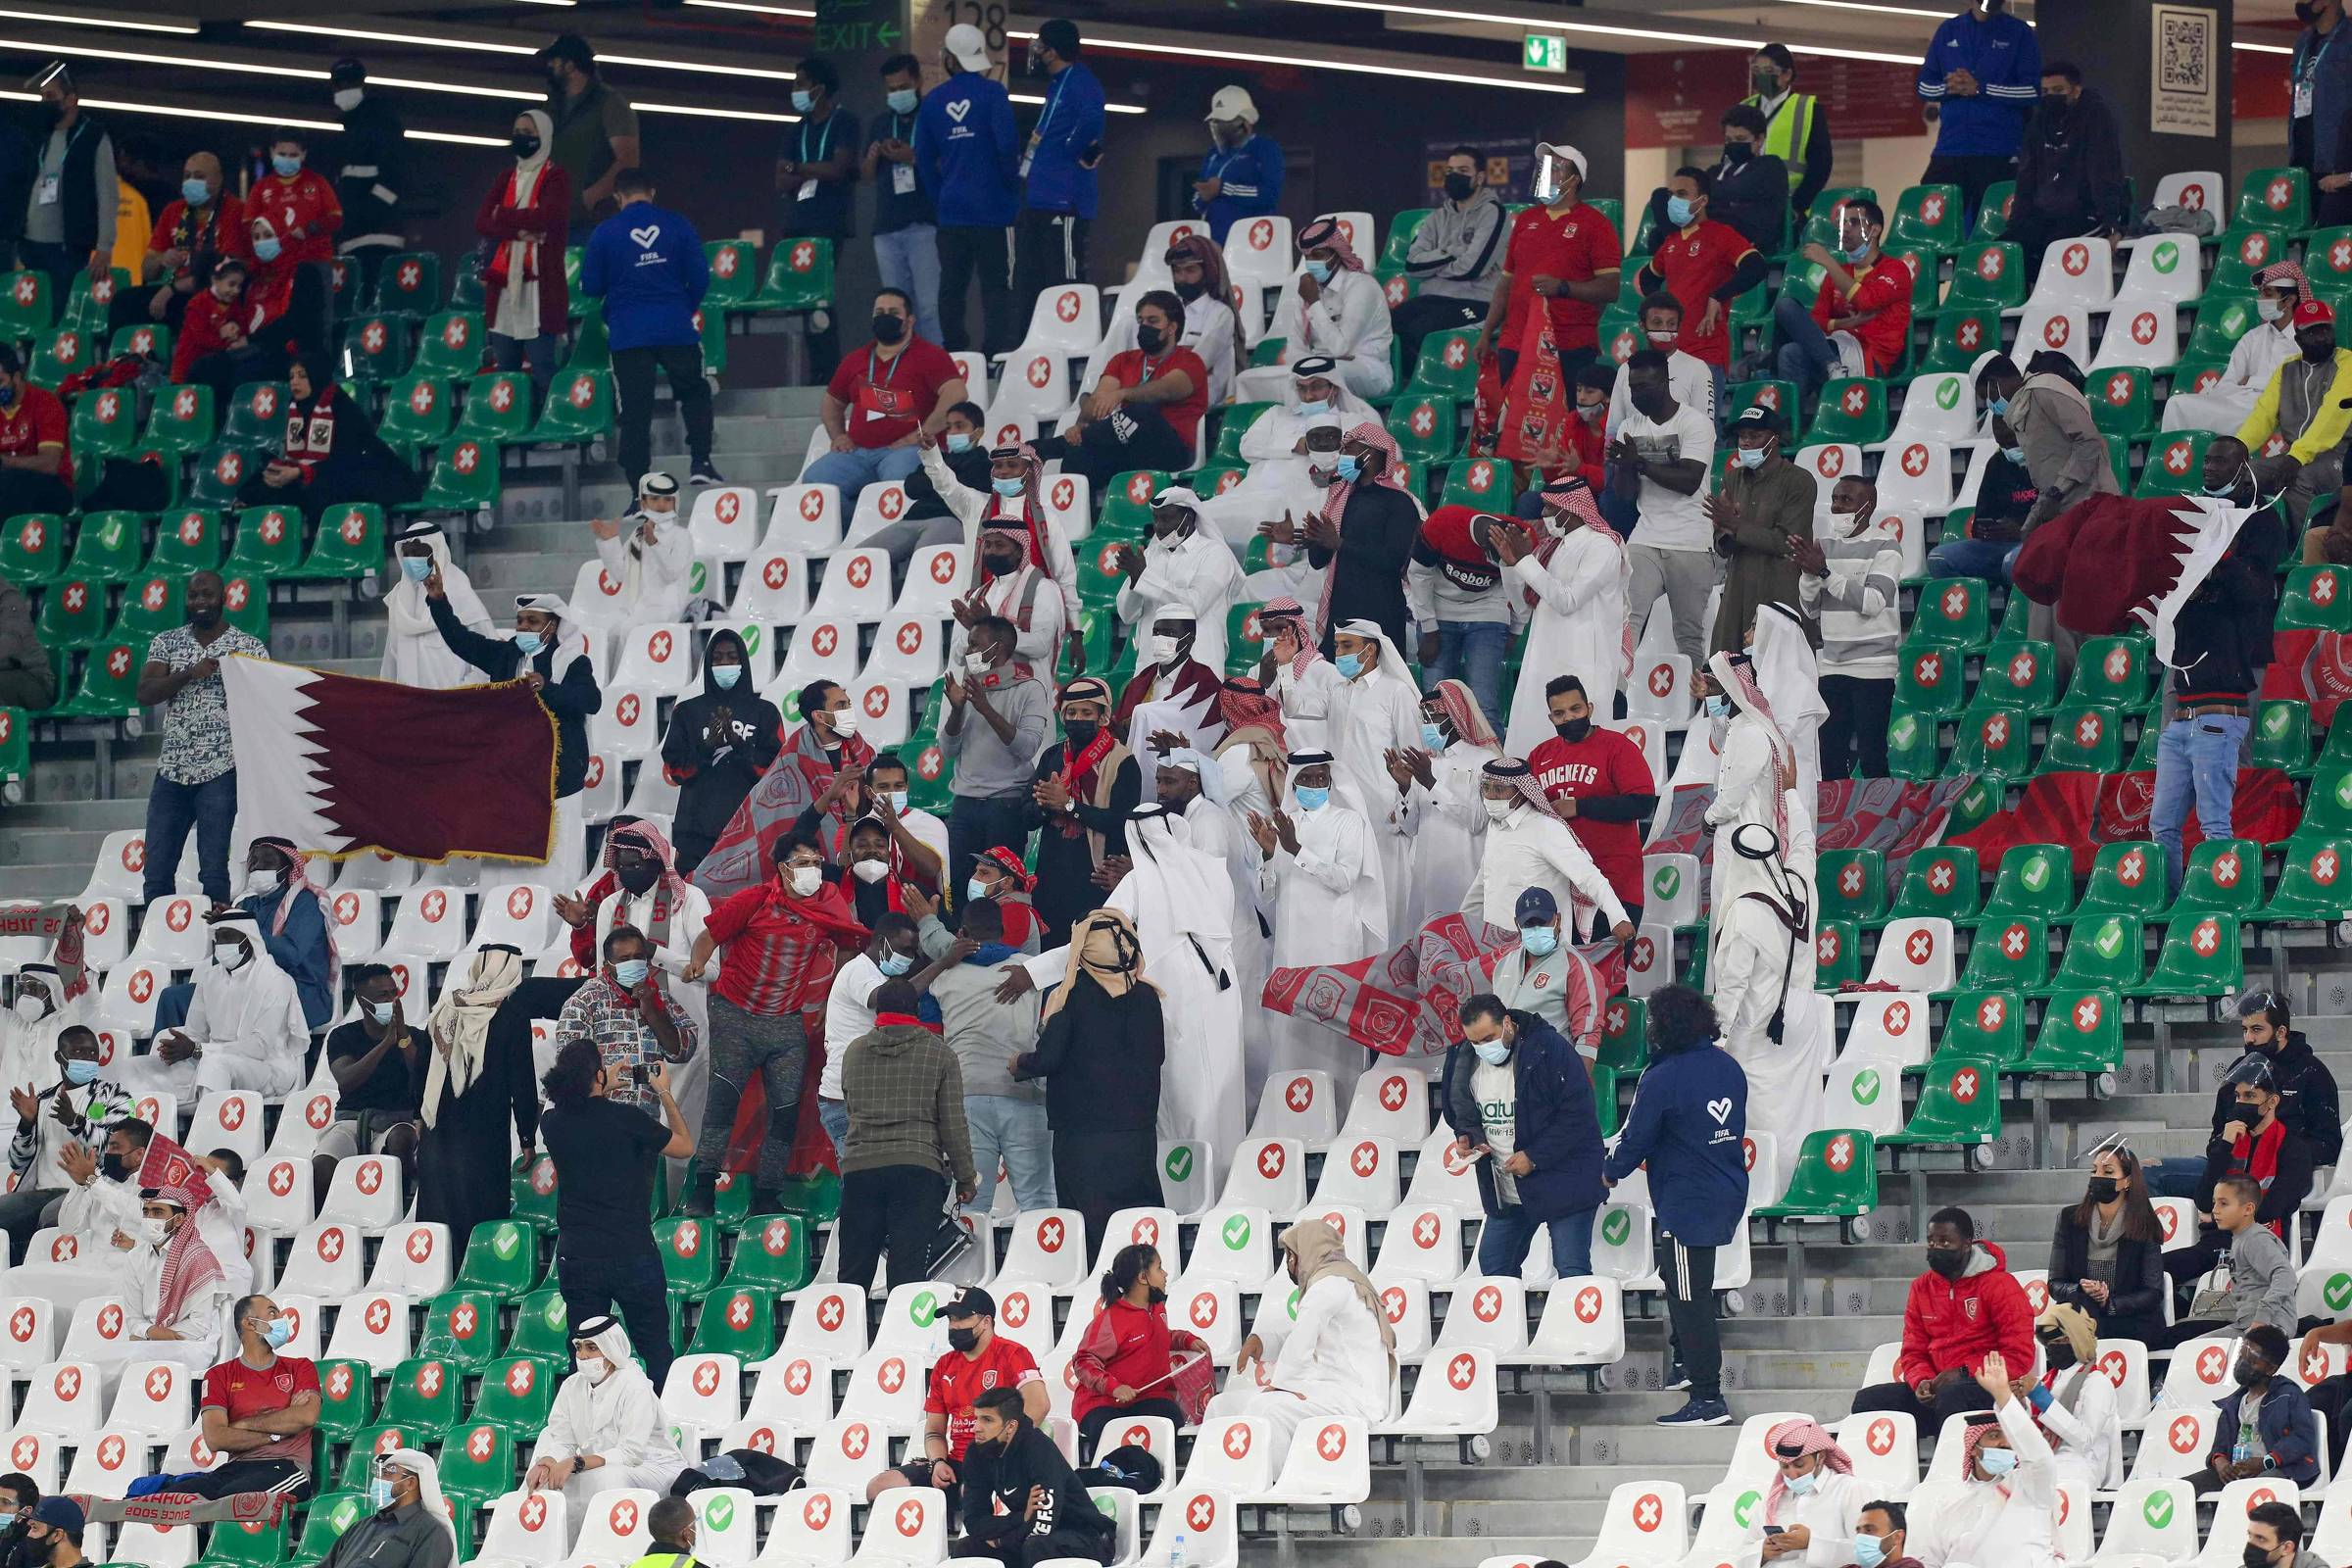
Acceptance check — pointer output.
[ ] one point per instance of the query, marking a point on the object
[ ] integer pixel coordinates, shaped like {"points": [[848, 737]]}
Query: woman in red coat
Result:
{"points": [[1124, 1366], [524, 299]]}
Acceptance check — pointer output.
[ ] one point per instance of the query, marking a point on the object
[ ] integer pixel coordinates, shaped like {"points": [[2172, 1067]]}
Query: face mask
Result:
{"points": [[1539, 941], [2270, 310], [1498, 810], [156, 1231], [1947, 1261], [1997, 1461], [964, 1339], [266, 249], [976, 890], [525, 146], [631, 972], [2103, 1189], [381, 1011], [1150, 339], [379, 1494], [1855, 253], [1657, 341], [596, 1369], [1736, 153], [1188, 292], [1677, 211], [894, 965], [2245, 1374], [959, 441], [2016, 455], [1007, 488], [1163, 649], [1432, 738], [1801, 1485], [1349, 467], [889, 328], [1459, 187], [639, 877], [195, 192], [1318, 270], [31, 1006], [1998, 408], [975, 663], [807, 879], [1315, 405], [415, 567], [82, 1074], [1717, 705], [870, 872], [1081, 731], [260, 882], [1869, 1552], [2222, 490], [845, 722], [1349, 664], [1573, 732], [287, 168], [112, 1167], [1766, 83], [902, 100], [803, 101], [1752, 458], [528, 643], [2255, 1556], [1309, 799], [1591, 413], [232, 955], [724, 676], [897, 799], [1493, 1053]]}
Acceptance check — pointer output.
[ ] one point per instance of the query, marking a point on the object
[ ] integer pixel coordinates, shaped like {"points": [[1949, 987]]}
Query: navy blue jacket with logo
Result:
{"points": [[646, 262], [1554, 1122], [1689, 1124]]}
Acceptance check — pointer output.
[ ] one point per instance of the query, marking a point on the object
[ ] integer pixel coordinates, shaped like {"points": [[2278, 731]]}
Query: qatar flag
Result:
{"points": [[343, 763]]}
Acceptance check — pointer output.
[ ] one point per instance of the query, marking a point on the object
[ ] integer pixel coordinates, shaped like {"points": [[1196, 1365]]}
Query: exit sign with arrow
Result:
{"points": [[1546, 51]]}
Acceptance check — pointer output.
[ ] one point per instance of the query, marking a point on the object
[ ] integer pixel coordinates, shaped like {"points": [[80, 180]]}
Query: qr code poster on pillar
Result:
{"points": [[2183, 68]]}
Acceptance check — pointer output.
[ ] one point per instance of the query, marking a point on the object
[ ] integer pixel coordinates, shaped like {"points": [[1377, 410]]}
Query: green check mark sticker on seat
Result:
{"points": [[2159, 1511], [1180, 1163], [1616, 1227], [1237, 1233], [1947, 395], [1866, 1086]]}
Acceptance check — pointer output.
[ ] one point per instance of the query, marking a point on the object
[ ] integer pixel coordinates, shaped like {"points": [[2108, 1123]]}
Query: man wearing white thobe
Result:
{"points": [[415, 654], [1320, 870], [1580, 621], [245, 1027], [1181, 568], [1762, 978], [1528, 846], [1443, 819], [1376, 714], [1754, 764], [1202, 790], [182, 1327], [2253, 359]]}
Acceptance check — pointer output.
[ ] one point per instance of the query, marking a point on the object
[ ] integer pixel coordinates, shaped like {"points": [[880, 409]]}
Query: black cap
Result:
{"points": [[347, 73], [973, 1303], [1757, 417], [1536, 905], [572, 47]]}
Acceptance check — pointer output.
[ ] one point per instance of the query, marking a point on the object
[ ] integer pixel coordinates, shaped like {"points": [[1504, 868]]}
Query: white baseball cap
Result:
{"points": [[1232, 103], [965, 43], [1544, 149]]}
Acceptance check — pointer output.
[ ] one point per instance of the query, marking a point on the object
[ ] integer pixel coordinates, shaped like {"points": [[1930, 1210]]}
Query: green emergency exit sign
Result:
{"points": [[1546, 51]]}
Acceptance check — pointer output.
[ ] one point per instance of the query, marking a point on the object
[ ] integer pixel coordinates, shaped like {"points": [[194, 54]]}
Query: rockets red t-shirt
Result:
{"points": [[1603, 763]]}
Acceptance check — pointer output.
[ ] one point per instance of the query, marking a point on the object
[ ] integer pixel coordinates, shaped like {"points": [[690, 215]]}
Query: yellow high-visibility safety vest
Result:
{"points": [[1786, 132]]}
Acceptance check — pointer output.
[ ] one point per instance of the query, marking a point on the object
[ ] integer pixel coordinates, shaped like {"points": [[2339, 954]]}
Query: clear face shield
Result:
{"points": [[1553, 173]]}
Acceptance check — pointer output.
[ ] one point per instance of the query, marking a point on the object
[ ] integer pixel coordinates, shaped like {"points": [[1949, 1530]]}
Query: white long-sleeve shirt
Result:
{"points": [[1829, 1515], [256, 1017], [1532, 849], [2011, 1522], [622, 1426], [980, 509], [1350, 319], [1196, 573], [1307, 703], [652, 580], [1578, 629], [1332, 1353], [2090, 1436]]}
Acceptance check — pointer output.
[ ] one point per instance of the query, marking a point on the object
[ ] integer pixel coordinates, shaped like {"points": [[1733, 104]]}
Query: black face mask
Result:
{"points": [[1081, 731], [1459, 187], [1948, 1261], [2256, 1557], [962, 1339], [2059, 1353], [1736, 153], [889, 328], [111, 1166], [2246, 1373], [1154, 1295], [1574, 730], [639, 877], [2306, 12], [1150, 339], [1188, 292], [2103, 1189], [996, 566], [1765, 83], [525, 146]]}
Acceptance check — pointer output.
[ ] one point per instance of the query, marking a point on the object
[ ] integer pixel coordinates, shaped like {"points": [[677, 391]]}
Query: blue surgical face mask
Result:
{"points": [[895, 964], [724, 676], [287, 168], [1315, 405], [1349, 467], [1997, 1461], [976, 890], [1869, 1552], [1432, 738], [2226, 489], [1538, 941], [266, 248], [529, 642], [1309, 799], [1718, 705], [279, 1334], [959, 441], [1998, 408], [1493, 1053], [1318, 270], [1677, 211], [631, 972], [79, 1073], [379, 1494], [1349, 664], [415, 567], [1751, 457], [902, 100], [381, 1011], [1801, 1485], [195, 192], [803, 101], [1007, 488], [2016, 455], [1854, 253]]}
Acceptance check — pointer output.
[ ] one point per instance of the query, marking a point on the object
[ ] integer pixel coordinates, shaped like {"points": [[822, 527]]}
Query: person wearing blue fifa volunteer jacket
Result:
{"points": [[967, 155], [646, 264], [1690, 1126], [1242, 174], [1983, 73], [1048, 246], [1516, 1093]]}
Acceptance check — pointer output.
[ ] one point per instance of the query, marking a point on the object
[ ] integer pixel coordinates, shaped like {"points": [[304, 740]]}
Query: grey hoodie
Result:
{"points": [[1457, 253]]}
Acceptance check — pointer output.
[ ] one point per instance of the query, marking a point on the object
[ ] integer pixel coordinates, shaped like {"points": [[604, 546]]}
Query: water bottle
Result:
{"points": [[2247, 1445], [1176, 1552]]}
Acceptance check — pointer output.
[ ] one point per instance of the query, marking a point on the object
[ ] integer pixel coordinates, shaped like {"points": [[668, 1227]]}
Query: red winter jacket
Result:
{"points": [[1952, 1323]]}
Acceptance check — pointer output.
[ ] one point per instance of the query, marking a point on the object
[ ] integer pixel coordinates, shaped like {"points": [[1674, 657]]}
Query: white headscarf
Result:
{"points": [[460, 1025], [570, 645], [519, 299], [1174, 889], [411, 617], [1786, 672]]}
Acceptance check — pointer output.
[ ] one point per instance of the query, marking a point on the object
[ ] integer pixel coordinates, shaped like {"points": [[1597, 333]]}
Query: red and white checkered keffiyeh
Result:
{"points": [[1977, 1432], [2279, 273], [1807, 1438], [1572, 494], [1334, 503], [1287, 608], [1737, 679], [1515, 771], [1469, 720], [299, 881]]}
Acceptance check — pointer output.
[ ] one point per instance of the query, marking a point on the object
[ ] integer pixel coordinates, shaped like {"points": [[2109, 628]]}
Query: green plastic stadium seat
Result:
{"points": [[1959, 1106], [799, 276], [1835, 1176], [2312, 885], [2224, 874], [2035, 879], [2010, 953], [2085, 737], [1940, 881], [2081, 1032], [2200, 957], [1852, 883], [579, 408]]}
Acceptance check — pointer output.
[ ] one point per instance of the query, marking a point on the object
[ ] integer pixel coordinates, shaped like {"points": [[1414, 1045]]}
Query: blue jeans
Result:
{"points": [[834, 1116], [1806, 355], [211, 809], [1015, 1132], [909, 259], [539, 353], [1472, 650], [853, 471], [1989, 558], [1509, 1231], [2198, 754]]}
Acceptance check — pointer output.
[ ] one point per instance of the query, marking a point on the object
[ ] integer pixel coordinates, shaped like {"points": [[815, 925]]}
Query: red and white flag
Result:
{"points": [[343, 763]]}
